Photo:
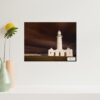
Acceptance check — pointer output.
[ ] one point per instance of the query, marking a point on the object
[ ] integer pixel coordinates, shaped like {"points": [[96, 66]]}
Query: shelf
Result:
{"points": [[70, 89]]}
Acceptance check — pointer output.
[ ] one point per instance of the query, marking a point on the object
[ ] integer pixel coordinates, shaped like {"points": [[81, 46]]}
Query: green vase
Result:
{"points": [[5, 81]]}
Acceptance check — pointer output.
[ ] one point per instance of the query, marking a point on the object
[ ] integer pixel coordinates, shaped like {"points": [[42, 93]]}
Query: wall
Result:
{"points": [[86, 71]]}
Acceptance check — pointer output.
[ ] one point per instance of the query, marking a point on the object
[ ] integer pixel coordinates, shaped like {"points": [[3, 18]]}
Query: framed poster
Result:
{"points": [[50, 41]]}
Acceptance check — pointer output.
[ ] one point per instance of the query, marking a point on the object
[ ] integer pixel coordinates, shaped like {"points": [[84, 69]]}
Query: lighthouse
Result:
{"points": [[60, 51], [59, 40]]}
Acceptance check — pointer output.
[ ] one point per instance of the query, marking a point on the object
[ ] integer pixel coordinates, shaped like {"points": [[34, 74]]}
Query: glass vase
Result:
{"points": [[5, 81]]}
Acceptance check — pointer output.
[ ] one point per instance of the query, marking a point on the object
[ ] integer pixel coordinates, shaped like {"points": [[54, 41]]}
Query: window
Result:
{"points": [[65, 54], [54, 54], [59, 54]]}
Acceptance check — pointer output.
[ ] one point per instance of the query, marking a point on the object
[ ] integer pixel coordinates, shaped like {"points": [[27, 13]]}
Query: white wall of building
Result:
{"points": [[86, 13]]}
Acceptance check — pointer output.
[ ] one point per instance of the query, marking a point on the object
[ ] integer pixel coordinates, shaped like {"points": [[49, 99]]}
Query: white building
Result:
{"points": [[60, 51]]}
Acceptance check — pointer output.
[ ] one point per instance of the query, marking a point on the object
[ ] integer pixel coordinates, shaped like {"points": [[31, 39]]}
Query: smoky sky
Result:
{"points": [[39, 36]]}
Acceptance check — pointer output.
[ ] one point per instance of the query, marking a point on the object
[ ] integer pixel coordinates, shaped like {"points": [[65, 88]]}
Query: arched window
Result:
{"points": [[65, 54], [59, 53], [54, 54]]}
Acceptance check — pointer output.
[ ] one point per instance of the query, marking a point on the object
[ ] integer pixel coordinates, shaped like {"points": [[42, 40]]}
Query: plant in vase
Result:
{"points": [[5, 77]]}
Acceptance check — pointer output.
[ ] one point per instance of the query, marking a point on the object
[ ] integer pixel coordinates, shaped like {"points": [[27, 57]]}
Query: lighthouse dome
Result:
{"points": [[59, 32]]}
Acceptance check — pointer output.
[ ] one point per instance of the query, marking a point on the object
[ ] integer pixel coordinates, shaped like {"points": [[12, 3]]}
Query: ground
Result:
{"points": [[44, 58]]}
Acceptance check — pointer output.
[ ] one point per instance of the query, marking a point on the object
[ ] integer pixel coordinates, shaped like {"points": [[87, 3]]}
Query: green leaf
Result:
{"points": [[11, 32]]}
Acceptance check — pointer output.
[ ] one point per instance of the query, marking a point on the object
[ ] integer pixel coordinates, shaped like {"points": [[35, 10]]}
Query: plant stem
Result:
{"points": [[0, 59], [9, 49], [4, 49]]}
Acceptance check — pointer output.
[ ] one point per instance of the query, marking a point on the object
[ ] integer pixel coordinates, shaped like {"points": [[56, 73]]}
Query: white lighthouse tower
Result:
{"points": [[60, 51], [59, 40]]}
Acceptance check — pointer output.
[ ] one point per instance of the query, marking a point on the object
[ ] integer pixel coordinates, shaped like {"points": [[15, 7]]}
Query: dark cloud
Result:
{"points": [[39, 37]]}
